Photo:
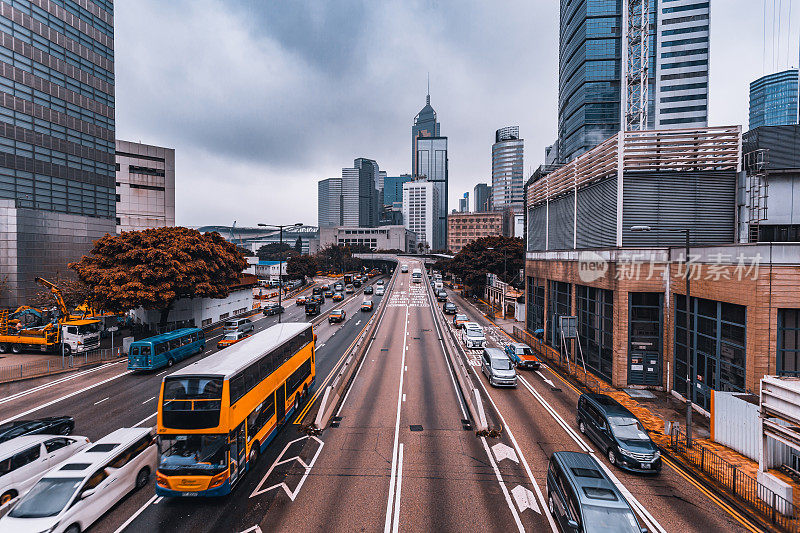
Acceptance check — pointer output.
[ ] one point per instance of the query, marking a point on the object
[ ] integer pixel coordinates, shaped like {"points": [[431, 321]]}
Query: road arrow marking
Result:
{"points": [[525, 499], [254, 529], [501, 451], [545, 379]]}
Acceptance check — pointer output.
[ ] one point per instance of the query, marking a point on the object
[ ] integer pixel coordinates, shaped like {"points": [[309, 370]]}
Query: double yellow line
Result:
{"points": [[329, 377]]}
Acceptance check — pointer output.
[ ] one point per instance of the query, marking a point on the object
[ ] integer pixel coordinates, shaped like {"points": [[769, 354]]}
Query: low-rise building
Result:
{"points": [[202, 312], [380, 238], [145, 186], [463, 228]]}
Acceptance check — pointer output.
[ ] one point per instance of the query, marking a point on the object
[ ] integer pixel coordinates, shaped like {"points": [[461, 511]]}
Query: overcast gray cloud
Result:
{"points": [[263, 99]]}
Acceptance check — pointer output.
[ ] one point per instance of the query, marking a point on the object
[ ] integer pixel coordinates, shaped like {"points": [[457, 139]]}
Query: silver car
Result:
{"points": [[498, 368], [238, 325]]}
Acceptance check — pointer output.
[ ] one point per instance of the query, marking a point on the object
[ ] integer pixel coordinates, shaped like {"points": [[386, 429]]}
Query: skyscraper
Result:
{"points": [[329, 203], [421, 212], [432, 164], [393, 189], [57, 183], [425, 125], [482, 195], [369, 196], [463, 203], [774, 99], [681, 59], [507, 168]]}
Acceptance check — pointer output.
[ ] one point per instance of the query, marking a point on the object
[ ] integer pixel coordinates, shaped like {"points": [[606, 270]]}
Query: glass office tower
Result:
{"points": [[425, 125], [507, 168], [57, 168], [774, 99]]}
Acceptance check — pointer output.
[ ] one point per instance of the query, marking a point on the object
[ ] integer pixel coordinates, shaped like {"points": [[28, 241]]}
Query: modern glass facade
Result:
{"points": [[590, 73], [425, 125], [393, 189], [56, 133], [559, 303], [507, 168], [482, 197], [718, 335], [432, 163], [774, 99]]}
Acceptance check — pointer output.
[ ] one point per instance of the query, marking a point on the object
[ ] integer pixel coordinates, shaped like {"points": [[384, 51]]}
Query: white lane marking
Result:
{"points": [[101, 401], [158, 500], [396, 521], [406, 369], [144, 420], [70, 395], [388, 523], [56, 382], [141, 509], [651, 523], [525, 499], [404, 397], [292, 494], [507, 430], [545, 379], [320, 346], [502, 485], [359, 322], [162, 372], [254, 529], [503, 451], [148, 400]]}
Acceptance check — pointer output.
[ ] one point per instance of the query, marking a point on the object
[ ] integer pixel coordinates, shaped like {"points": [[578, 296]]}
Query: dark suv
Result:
{"points": [[618, 434], [581, 497]]}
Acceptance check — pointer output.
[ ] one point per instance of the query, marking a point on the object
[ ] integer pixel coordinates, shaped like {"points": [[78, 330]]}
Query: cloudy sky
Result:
{"points": [[261, 99]]}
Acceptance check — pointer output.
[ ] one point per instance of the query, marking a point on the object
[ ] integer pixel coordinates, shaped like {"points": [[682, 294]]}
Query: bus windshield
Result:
{"points": [[192, 455]]}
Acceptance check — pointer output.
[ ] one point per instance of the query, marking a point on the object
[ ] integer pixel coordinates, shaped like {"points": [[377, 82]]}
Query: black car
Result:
{"points": [[449, 308], [441, 295], [620, 436], [273, 309], [52, 425], [368, 289], [356, 283]]}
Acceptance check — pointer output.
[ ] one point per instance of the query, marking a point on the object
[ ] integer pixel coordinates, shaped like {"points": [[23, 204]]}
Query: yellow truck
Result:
{"points": [[76, 334]]}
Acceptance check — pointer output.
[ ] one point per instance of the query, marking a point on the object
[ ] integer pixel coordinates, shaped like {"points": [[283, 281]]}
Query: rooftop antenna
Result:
{"points": [[428, 97]]}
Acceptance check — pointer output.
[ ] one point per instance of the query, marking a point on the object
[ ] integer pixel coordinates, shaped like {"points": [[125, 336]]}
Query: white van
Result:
{"points": [[24, 460], [72, 496]]}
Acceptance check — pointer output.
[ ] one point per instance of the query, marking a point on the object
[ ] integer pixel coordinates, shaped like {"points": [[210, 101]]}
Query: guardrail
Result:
{"points": [[36, 369], [773, 508], [335, 391]]}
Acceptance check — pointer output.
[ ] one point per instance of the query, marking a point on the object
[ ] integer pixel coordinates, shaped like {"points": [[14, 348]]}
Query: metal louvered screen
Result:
{"points": [[537, 226], [705, 202], [561, 223], [597, 215]]}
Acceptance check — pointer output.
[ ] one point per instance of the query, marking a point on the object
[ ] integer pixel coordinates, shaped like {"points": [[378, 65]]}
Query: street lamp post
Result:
{"points": [[280, 260], [689, 361]]}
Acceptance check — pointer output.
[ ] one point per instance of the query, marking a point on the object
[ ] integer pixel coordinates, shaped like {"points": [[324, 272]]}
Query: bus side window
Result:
{"points": [[174, 343], [161, 347]]}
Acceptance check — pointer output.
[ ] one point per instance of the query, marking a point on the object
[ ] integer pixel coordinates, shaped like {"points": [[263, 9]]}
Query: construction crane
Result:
{"points": [[56, 292], [635, 61]]}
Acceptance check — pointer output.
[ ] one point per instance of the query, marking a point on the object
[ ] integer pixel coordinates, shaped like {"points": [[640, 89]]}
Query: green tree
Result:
{"points": [[154, 268], [298, 245], [497, 255], [301, 266], [275, 251]]}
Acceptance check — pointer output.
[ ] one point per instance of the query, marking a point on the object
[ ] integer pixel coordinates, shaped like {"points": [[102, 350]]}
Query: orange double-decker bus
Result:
{"points": [[217, 415]]}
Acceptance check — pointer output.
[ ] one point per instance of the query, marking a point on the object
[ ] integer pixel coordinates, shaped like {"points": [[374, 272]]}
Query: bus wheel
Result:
{"points": [[7, 496], [305, 391], [170, 362], [254, 453], [3, 347], [16, 348]]}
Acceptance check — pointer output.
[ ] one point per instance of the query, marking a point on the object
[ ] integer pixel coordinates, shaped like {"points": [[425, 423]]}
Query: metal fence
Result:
{"points": [[56, 364], [555, 359], [775, 509]]}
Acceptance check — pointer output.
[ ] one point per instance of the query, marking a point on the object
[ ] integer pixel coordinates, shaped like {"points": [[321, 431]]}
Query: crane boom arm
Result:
{"points": [[62, 306]]}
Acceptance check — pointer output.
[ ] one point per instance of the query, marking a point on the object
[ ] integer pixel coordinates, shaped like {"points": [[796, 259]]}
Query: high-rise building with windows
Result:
{"points": [[774, 99], [507, 168], [369, 193], [421, 212], [329, 203], [393, 189], [482, 195], [432, 164], [145, 186], [463, 203], [681, 59], [425, 125], [57, 183]]}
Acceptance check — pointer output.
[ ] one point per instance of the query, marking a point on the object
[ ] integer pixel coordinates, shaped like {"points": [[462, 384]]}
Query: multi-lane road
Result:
{"points": [[401, 453]]}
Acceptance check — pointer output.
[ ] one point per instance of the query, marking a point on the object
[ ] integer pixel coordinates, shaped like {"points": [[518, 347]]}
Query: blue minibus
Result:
{"points": [[165, 349]]}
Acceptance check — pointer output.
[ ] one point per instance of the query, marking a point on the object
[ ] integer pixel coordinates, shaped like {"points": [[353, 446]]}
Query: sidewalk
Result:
{"points": [[716, 464]]}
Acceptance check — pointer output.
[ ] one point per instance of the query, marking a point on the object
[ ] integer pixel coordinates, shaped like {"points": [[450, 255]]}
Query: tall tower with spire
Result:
{"points": [[425, 125]]}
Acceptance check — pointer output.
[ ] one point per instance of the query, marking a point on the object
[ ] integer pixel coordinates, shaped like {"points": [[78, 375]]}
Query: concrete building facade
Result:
{"points": [[421, 212], [382, 238], [145, 186], [57, 135], [463, 228], [329, 203]]}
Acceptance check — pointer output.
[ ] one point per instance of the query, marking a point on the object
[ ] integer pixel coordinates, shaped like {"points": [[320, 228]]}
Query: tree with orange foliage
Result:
{"points": [[154, 268]]}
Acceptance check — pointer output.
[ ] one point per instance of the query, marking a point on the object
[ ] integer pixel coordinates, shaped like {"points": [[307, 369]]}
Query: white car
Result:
{"points": [[24, 460], [404, 269], [379, 290], [72, 496], [472, 336]]}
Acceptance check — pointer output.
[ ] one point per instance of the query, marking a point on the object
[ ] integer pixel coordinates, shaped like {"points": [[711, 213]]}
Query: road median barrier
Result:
{"points": [[318, 420]]}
